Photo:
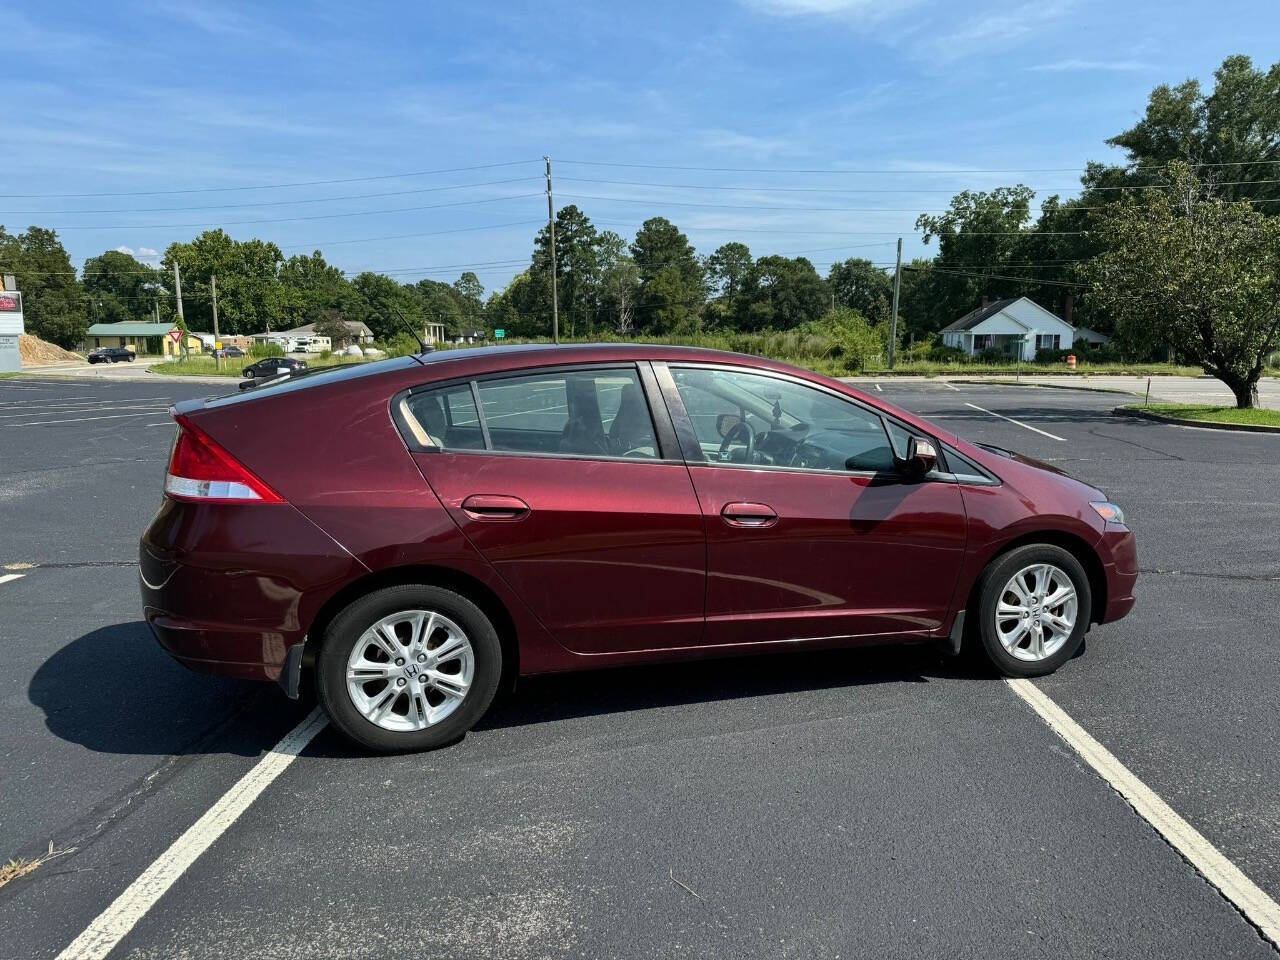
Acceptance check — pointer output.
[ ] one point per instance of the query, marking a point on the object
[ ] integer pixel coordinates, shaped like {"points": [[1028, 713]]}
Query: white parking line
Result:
{"points": [[111, 926], [880, 388], [1043, 433], [81, 402], [1258, 908], [948, 383], [44, 423], [11, 576], [9, 415]]}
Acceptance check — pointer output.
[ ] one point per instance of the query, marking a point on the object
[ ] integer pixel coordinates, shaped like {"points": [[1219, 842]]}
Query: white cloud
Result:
{"points": [[1074, 65], [869, 11], [998, 30], [142, 253]]}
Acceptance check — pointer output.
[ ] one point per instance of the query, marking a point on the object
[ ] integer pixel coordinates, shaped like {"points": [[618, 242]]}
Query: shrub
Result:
{"points": [[994, 355], [260, 350], [945, 354]]}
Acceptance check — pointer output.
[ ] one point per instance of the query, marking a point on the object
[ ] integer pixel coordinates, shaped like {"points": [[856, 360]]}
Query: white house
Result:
{"points": [[1005, 325]]}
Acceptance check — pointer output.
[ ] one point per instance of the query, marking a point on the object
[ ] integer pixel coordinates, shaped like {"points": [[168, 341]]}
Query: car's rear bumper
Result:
{"points": [[1119, 553], [229, 588]]}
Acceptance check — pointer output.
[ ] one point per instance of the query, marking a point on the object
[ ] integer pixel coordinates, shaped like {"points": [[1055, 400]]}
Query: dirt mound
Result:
{"points": [[40, 353]]}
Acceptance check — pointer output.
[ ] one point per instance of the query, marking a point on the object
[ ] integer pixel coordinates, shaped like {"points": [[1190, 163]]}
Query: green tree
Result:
{"points": [[470, 293], [1189, 270], [120, 288], [1238, 123], [672, 288], [781, 293], [517, 309], [331, 324], [980, 240], [577, 270], [53, 302], [860, 285], [853, 340], [727, 269], [250, 296], [312, 288], [381, 298]]}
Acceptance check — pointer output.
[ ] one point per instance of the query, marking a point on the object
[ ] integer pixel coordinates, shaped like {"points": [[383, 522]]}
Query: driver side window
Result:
{"points": [[755, 420]]}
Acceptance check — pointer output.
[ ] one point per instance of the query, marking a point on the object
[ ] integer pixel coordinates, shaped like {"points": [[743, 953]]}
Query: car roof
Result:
{"points": [[397, 373]]}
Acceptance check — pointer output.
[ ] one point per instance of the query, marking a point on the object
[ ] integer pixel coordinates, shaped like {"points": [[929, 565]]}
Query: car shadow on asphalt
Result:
{"points": [[114, 690], [566, 696]]}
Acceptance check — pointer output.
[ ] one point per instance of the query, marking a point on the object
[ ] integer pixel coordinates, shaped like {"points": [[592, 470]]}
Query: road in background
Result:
{"points": [[861, 802], [1205, 390]]}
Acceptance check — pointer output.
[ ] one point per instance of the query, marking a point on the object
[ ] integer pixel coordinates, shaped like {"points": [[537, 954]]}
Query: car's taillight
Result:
{"points": [[202, 471]]}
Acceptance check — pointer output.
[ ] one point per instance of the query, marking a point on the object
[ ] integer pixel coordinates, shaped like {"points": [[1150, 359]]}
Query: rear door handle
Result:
{"points": [[742, 514], [494, 506]]}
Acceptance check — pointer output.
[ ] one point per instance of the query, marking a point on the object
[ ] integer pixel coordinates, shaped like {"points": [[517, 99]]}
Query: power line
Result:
{"points": [[318, 216], [919, 171], [761, 188], [996, 276], [407, 236], [276, 203], [262, 186]]}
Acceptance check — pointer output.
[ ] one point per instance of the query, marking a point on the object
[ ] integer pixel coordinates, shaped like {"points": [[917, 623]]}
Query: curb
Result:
{"points": [[1200, 424], [1045, 386]]}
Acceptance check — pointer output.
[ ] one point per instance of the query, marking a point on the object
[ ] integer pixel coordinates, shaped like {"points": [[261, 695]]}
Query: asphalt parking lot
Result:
{"points": [[878, 803]]}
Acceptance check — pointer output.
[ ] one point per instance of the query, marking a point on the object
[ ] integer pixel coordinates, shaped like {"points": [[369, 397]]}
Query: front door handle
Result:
{"points": [[494, 506], [742, 514]]}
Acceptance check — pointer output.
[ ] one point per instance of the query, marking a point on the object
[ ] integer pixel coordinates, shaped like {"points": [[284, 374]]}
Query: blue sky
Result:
{"points": [[123, 98]]}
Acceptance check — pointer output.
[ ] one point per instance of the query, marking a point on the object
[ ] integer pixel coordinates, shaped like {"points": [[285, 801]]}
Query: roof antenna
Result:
{"points": [[422, 347]]}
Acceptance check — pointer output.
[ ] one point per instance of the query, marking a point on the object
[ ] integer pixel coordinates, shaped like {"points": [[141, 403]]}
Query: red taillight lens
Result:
{"points": [[201, 471]]}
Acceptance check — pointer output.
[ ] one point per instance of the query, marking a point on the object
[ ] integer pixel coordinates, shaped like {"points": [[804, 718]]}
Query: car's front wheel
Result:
{"points": [[1034, 605], [410, 667]]}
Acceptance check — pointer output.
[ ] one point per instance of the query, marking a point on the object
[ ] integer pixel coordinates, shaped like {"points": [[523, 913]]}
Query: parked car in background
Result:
{"points": [[111, 355], [476, 514], [273, 367], [226, 352]]}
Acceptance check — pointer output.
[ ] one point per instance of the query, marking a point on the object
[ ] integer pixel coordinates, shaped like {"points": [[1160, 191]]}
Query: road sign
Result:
{"points": [[499, 334], [175, 334]]}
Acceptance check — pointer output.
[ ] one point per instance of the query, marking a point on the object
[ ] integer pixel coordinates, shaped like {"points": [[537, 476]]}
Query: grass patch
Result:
{"points": [[202, 366], [22, 866], [930, 368], [1198, 411]]}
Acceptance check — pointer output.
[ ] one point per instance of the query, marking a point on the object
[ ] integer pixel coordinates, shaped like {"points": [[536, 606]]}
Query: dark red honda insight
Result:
{"points": [[409, 535]]}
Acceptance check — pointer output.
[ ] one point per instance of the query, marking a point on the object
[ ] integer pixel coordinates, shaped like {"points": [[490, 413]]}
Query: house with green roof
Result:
{"points": [[141, 338]]}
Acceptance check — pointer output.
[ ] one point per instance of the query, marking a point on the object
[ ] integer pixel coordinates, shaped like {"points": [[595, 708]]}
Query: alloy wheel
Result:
{"points": [[410, 670], [1036, 612]]}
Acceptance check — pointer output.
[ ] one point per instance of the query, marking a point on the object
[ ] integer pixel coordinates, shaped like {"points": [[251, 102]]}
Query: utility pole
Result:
{"points": [[893, 328], [551, 230], [177, 293], [217, 352]]}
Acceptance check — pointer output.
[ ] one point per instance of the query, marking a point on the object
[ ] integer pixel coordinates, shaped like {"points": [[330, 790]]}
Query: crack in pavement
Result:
{"points": [[1253, 577]]}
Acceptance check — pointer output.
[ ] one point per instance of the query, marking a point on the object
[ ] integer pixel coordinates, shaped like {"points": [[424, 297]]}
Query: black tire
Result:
{"points": [[348, 626], [997, 575]]}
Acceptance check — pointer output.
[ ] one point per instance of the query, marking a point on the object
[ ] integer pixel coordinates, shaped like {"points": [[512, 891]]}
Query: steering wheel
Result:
{"points": [[740, 428]]}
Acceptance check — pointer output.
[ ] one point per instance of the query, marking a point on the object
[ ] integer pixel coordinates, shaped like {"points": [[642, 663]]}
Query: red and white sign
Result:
{"points": [[10, 302], [175, 334]]}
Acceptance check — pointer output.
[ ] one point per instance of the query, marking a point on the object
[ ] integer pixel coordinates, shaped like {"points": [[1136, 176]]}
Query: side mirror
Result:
{"points": [[725, 423], [921, 458]]}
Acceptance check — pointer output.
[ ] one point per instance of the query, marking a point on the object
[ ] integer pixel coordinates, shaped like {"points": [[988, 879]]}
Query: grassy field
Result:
{"points": [[202, 366], [811, 352], [1194, 411]]}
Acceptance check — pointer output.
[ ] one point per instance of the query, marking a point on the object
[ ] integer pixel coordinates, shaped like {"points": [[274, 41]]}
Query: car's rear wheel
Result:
{"points": [[1034, 606], [410, 667]]}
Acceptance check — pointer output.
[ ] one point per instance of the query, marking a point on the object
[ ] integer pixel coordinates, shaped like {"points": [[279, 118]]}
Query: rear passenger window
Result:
{"points": [[581, 413], [448, 417]]}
